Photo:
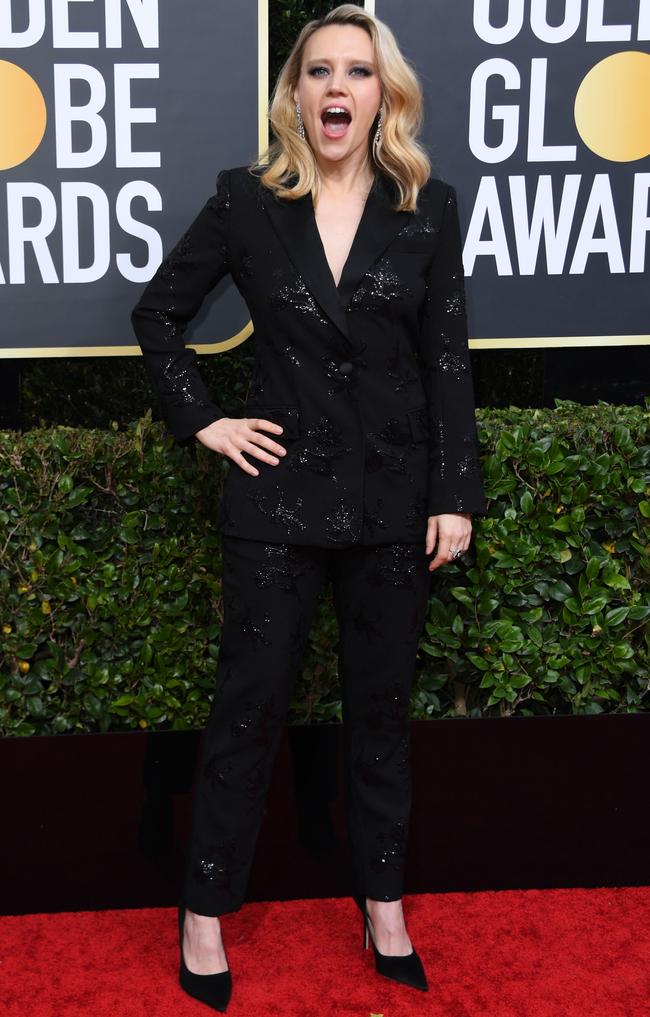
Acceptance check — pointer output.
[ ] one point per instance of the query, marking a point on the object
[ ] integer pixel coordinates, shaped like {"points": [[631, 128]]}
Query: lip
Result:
{"points": [[342, 105]]}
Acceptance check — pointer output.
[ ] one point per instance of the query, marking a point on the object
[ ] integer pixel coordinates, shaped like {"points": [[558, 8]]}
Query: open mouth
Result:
{"points": [[336, 121]]}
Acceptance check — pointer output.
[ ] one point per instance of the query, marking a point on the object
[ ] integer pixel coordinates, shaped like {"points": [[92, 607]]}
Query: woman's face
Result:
{"points": [[338, 70]]}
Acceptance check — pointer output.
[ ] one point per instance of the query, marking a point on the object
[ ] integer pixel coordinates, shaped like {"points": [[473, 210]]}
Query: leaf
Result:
{"points": [[563, 524], [526, 503], [593, 604], [480, 662], [560, 590], [593, 566], [616, 615]]}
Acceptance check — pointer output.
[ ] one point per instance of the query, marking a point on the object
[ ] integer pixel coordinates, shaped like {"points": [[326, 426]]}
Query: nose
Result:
{"points": [[337, 82]]}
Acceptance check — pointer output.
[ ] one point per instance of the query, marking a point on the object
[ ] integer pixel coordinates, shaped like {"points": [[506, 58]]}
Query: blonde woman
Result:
{"points": [[356, 461]]}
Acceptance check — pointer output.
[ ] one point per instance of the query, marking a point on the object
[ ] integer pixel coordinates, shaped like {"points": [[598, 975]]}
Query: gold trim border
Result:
{"points": [[545, 342], [536, 342]]}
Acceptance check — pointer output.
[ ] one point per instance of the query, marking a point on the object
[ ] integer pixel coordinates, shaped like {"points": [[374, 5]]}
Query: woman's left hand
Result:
{"points": [[452, 530]]}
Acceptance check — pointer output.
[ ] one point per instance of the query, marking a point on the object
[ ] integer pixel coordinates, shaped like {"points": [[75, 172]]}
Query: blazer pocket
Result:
{"points": [[418, 422], [288, 416]]}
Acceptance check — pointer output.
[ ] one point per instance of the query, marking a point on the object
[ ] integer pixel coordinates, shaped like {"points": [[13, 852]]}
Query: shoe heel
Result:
{"points": [[407, 969], [361, 904], [215, 989]]}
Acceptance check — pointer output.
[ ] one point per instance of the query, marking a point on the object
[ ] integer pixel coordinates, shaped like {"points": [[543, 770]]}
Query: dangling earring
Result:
{"points": [[301, 126], [378, 135]]}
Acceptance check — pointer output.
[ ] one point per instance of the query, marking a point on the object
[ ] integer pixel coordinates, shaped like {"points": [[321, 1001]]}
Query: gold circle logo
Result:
{"points": [[23, 115], [612, 107]]}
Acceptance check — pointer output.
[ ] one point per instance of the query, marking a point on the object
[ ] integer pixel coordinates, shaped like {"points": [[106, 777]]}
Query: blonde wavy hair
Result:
{"points": [[399, 155]]}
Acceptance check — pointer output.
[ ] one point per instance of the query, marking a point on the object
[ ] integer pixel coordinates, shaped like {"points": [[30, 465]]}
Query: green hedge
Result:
{"points": [[110, 600]]}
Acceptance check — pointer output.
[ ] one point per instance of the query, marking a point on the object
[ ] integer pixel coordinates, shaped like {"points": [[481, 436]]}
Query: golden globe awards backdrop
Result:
{"points": [[115, 118], [116, 115], [538, 112]]}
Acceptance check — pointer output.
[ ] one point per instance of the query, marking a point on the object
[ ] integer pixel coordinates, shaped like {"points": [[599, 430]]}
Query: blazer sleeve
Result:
{"points": [[170, 300], [455, 478]]}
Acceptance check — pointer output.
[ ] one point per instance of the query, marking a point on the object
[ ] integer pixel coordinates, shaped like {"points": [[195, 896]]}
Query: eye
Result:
{"points": [[314, 71]]}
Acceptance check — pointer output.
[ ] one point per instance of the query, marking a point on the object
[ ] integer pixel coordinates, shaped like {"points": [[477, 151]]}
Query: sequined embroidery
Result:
{"points": [[254, 630], [322, 446], [391, 848], [469, 466], [293, 293], [437, 459], [380, 285], [259, 720], [455, 303], [418, 228], [275, 508], [285, 563], [452, 363], [222, 859], [343, 522], [178, 369], [281, 346], [395, 564]]}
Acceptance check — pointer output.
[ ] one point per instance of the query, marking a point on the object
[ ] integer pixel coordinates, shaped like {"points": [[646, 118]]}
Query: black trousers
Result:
{"points": [[270, 593]]}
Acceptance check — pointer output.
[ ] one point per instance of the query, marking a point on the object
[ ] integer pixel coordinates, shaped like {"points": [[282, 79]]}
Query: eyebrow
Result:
{"points": [[326, 60]]}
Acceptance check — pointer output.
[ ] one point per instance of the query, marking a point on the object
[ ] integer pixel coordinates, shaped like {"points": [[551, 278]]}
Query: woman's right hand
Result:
{"points": [[233, 435]]}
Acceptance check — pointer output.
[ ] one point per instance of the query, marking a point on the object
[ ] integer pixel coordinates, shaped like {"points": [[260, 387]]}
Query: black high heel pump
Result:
{"points": [[407, 969], [214, 989]]}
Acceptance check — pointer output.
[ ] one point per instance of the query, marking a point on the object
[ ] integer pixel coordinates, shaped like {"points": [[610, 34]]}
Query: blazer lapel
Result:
{"points": [[295, 224]]}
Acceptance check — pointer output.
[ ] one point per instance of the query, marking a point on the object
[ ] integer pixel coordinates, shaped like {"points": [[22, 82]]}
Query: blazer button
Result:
{"points": [[346, 367]]}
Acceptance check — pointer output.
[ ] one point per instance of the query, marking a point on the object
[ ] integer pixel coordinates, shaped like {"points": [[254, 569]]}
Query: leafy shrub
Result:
{"points": [[110, 592]]}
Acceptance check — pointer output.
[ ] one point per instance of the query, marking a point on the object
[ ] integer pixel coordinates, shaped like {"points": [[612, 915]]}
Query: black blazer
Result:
{"points": [[370, 380]]}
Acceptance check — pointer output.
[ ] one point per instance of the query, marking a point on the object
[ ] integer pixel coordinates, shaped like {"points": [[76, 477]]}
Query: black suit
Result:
{"points": [[372, 385], [370, 380]]}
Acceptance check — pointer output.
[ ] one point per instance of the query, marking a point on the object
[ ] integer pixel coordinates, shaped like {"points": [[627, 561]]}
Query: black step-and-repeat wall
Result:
{"points": [[116, 117], [538, 111]]}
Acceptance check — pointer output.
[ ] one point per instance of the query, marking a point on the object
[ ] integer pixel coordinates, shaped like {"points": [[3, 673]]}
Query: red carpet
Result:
{"points": [[532, 953]]}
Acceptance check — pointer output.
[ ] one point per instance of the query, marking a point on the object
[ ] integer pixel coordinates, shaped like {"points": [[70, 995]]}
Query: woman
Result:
{"points": [[357, 455]]}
